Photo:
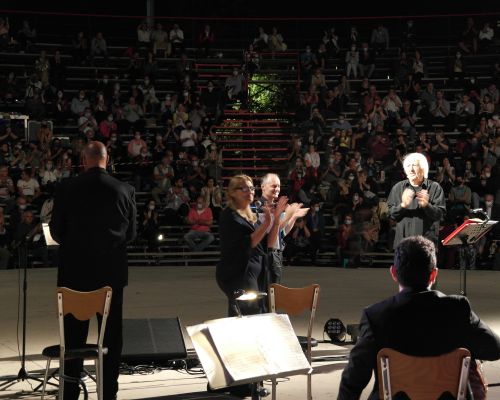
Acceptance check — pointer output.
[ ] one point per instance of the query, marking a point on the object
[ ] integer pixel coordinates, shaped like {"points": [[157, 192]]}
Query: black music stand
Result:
{"points": [[23, 374], [466, 235]]}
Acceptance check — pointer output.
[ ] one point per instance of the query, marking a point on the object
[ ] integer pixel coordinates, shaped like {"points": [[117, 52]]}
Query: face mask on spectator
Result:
{"points": [[348, 221], [151, 207], [487, 174], [22, 206], [110, 118], [316, 209], [488, 203], [195, 163], [146, 82], [199, 206]]}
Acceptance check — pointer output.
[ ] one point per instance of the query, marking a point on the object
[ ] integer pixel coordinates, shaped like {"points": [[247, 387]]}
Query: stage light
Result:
{"points": [[160, 237], [335, 329]]}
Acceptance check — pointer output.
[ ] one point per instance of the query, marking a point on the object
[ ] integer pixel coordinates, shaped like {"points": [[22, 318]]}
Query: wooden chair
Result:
{"points": [[423, 378], [83, 306], [295, 301]]}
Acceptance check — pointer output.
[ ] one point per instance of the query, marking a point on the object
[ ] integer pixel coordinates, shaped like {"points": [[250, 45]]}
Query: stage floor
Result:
{"points": [[192, 294]]}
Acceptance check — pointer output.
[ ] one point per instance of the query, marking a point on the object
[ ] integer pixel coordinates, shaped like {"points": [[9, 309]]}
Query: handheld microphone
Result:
{"points": [[258, 205]]}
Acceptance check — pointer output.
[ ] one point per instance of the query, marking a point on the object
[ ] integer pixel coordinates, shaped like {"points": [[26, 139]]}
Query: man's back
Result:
{"points": [[421, 323], [94, 218]]}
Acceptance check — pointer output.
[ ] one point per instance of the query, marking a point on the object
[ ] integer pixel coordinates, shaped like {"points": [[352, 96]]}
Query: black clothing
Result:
{"points": [[415, 220], [240, 266], [419, 323], [93, 218]]}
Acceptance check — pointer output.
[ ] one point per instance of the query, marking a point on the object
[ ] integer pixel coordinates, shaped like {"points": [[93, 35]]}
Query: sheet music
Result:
{"points": [[249, 348], [48, 237]]}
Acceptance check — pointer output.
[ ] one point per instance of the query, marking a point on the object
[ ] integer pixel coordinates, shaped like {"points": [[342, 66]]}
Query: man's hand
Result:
{"points": [[407, 197], [291, 209], [423, 198], [280, 207]]}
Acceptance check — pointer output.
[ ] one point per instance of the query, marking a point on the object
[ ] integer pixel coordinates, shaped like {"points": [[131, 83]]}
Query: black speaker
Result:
{"points": [[152, 341]]}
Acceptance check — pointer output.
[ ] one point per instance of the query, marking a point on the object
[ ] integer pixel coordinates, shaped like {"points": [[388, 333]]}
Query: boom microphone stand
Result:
{"points": [[23, 374]]}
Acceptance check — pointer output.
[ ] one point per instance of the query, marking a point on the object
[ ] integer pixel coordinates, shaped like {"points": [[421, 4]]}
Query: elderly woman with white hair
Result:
{"points": [[417, 203]]}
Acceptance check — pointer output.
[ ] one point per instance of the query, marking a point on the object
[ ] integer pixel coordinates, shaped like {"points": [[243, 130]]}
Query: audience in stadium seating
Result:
{"points": [[400, 104]]}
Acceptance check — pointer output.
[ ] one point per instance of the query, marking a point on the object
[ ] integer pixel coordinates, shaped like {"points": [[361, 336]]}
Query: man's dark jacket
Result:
{"points": [[420, 323], [93, 219]]}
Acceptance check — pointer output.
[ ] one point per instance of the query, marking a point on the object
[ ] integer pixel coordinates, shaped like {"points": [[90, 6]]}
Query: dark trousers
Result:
{"points": [[275, 266], [76, 332]]}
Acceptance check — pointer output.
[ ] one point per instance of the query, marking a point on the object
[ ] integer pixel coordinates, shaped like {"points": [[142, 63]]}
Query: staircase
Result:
{"points": [[254, 143]]}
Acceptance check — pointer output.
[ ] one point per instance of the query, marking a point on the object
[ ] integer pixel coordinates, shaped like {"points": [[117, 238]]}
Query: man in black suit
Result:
{"points": [[93, 219], [416, 321]]}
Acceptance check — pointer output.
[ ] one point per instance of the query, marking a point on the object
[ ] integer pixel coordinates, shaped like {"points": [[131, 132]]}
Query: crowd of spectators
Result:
{"points": [[339, 164]]}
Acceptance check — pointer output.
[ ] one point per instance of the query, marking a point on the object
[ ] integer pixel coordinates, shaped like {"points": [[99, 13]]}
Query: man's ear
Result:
{"points": [[394, 274]]}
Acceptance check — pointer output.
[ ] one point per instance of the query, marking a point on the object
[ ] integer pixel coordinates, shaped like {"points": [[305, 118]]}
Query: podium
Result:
{"points": [[248, 349], [466, 235]]}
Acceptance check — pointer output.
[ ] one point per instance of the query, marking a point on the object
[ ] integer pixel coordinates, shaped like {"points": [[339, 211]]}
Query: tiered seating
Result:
{"points": [[252, 143]]}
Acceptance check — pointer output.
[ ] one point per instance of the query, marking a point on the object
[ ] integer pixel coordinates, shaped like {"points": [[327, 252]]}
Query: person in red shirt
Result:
{"points": [[200, 218]]}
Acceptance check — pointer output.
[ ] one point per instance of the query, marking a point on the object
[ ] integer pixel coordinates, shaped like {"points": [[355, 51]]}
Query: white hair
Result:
{"points": [[422, 161]]}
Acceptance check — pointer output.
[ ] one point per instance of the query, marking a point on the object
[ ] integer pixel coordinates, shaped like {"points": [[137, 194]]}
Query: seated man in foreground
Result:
{"points": [[416, 321]]}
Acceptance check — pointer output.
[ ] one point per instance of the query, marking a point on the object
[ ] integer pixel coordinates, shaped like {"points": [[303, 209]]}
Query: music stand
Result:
{"points": [[466, 235], [23, 374]]}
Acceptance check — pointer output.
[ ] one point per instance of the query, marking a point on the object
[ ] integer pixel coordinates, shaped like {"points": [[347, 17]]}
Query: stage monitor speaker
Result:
{"points": [[152, 340]]}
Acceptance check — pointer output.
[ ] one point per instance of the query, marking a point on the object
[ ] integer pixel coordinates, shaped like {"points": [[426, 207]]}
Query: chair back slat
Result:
{"points": [[83, 305], [293, 301], [421, 378]]}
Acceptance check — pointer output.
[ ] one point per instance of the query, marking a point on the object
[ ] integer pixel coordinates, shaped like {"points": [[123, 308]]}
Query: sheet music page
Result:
{"points": [[205, 350], [237, 344], [281, 346], [48, 237], [258, 346]]}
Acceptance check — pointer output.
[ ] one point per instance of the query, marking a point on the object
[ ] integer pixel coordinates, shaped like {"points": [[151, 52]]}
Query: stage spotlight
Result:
{"points": [[335, 329], [160, 237]]}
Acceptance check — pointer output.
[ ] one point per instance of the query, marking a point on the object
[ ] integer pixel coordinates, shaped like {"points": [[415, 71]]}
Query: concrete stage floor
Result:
{"points": [[191, 294]]}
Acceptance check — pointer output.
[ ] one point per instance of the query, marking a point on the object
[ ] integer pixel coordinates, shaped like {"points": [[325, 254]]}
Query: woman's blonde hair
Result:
{"points": [[235, 183]]}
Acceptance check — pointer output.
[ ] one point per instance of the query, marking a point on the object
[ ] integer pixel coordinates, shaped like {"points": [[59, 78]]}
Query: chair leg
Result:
{"points": [[46, 377], [61, 379], [100, 377], [275, 384], [309, 386]]}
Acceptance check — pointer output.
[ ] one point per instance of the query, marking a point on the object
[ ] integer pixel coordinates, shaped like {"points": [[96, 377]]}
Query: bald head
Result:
{"points": [[95, 155]]}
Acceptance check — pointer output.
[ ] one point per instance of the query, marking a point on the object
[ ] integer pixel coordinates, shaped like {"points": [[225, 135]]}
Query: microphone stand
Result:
{"points": [[23, 374]]}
